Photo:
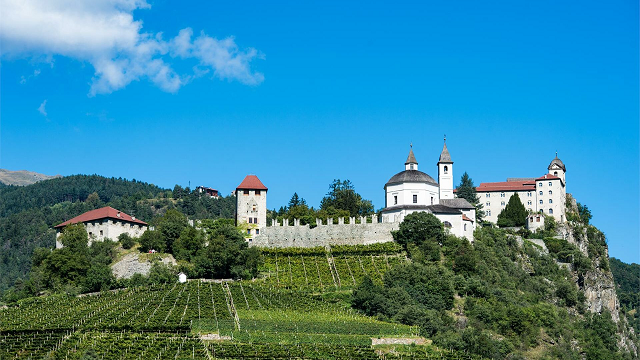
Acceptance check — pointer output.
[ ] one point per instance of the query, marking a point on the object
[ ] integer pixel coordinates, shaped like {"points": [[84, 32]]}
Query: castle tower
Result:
{"points": [[251, 205], [557, 168], [411, 163], [445, 173]]}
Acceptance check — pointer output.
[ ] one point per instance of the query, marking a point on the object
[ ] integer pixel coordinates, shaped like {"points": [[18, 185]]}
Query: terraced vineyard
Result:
{"points": [[277, 317]]}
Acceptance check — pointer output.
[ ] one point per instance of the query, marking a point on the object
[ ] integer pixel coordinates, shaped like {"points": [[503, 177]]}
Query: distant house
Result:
{"points": [[207, 190], [103, 223]]}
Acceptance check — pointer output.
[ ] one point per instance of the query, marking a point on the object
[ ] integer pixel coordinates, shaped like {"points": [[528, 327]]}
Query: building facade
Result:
{"points": [[546, 194], [412, 191], [105, 223], [251, 206]]}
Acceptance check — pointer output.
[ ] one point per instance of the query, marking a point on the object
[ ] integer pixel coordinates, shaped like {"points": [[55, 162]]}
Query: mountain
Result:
{"points": [[22, 177]]}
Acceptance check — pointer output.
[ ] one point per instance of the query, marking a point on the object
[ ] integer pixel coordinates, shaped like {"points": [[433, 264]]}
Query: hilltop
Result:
{"points": [[22, 177]]}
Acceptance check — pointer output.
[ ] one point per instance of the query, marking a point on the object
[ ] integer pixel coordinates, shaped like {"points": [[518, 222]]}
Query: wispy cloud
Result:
{"points": [[41, 108], [105, 34], [24, 79]]}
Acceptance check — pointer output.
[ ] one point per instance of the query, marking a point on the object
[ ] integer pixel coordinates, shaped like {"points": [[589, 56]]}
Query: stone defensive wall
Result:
{"points": [[322, 235]]}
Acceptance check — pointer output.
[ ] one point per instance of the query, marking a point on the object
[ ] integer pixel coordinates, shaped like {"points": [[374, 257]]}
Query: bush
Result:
{"points": [[126, 241]]}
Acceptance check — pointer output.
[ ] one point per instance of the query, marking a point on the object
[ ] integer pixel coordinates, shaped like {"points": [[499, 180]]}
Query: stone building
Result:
{"points": [[546, 194], [104, 223], [412, 190], [251, 205], [208, 191]]}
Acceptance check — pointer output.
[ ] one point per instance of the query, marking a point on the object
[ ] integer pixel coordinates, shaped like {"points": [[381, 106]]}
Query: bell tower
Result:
{"points": [[445, 173]]}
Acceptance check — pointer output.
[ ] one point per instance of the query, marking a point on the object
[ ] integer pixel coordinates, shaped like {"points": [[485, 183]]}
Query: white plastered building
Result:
{"points": [[412, 191], [546, 194]]}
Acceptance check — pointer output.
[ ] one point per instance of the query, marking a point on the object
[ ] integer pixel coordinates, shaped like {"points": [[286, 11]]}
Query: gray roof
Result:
{"points": [[558, 162], [406, 207], [457, 203], [411, 176], [445, 157], [442, 209], [411, 159]]}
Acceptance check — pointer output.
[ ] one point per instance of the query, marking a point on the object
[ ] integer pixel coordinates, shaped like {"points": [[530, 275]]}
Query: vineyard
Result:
{"points": [[280, 316]]}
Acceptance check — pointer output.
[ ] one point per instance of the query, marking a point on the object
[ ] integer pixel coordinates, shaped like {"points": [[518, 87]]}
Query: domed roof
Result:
{"points": [[558, 162], [411, 176]]}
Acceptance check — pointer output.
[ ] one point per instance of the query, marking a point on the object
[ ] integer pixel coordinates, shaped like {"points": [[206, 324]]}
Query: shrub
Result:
{"points": [[126, 241]]}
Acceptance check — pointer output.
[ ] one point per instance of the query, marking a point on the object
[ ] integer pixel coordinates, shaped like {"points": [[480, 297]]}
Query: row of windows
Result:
{"points": [[540, 184], [415, 199], [529, 194], [257, 192], [249, 231], [528, 202], [253, 220]]}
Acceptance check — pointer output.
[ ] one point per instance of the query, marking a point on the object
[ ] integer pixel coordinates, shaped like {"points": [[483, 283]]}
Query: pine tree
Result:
{"points": [[514, 214], [467, 190]]}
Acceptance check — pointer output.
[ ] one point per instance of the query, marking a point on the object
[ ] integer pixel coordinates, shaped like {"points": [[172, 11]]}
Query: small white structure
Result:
{"points": [[251, 205], [104, 223], [182, 278], [535, 222]]}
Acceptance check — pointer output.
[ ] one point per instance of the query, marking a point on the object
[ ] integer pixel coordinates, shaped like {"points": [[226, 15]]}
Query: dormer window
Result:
{"points": [[446, 169]]}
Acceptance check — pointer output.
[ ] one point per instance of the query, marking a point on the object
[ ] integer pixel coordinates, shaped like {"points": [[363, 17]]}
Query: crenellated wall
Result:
{"points": [[322, 235]]}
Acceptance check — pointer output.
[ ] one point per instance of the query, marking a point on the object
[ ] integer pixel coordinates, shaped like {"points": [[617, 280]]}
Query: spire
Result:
{"points": [[411, 159], [412, 163], [445, 157]]}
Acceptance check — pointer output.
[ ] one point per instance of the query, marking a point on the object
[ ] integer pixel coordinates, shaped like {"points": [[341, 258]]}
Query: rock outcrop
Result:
{"points": [[131, 264]]}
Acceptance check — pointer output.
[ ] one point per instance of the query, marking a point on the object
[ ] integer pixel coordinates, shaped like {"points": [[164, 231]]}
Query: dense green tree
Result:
{"points": [[191, 240], [467, 190], [296, 201], [514, 214], [171, 226], [418, 227], [152, 240], [342, 195], [585, 213], [126, 241]]}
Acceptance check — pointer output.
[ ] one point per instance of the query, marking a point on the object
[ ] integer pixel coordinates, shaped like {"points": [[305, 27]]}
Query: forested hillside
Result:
{"points": [[627, 278], [28, 213]]}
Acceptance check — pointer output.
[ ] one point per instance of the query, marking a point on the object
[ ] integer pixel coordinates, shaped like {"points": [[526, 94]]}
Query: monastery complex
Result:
{"points": [[406, 192]]}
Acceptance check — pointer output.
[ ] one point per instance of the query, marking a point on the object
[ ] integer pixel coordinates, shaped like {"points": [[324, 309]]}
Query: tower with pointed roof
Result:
{"points": [[557, 168], [445, 173], [412, 163], [251, 206]]}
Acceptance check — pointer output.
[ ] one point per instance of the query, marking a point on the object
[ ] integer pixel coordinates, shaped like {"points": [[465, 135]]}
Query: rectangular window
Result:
{"points": [[537, 218], [529, 202], [502, 203], [432, 200], [250, 220], [395, 200], [502, 195], [540, 184], [531, 219], [101, 233], [415, 199], [257, 192], [487, 195], [248, 231], [255, 220], [488, 212], [540, 193], [257, 231], [550, 183], [246, 192], [488, 203], [529, 194], [550, 192], [550, 201]]}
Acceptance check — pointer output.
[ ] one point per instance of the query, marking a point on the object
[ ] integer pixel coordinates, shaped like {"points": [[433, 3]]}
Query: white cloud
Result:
{"points": [[105, 34], [41, 108]]}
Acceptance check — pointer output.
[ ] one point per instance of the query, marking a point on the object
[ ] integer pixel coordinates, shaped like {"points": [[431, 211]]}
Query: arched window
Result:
{"points": [[465, 227], [550, 192], [447, 224], [446, 169], [555, 173], [550, 211]]}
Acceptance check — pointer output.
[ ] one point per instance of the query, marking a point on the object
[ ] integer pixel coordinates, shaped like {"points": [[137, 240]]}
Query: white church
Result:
{"points": [[412, 190]]}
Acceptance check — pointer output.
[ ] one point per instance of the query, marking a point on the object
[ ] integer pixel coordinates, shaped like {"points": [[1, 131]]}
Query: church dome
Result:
{"points": [[558, 162], [411, 176]]}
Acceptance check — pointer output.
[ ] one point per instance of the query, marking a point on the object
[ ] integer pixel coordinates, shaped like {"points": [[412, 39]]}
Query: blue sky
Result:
{"points": [[300, 94]]}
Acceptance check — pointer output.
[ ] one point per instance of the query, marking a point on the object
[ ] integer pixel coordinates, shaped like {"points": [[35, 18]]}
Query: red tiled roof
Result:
{"points": [[466, 218], [548, 177], [106, 212], [251, 182], [522, 185]]}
